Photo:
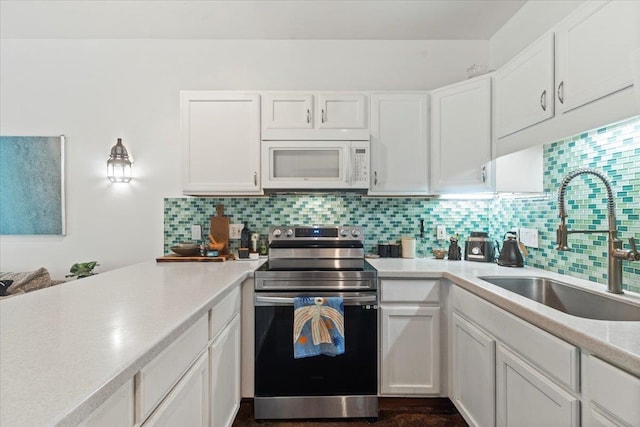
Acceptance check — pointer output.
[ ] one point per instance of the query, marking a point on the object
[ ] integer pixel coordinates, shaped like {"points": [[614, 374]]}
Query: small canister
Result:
{"points": [[408, 247], [394, 250], [383, 250]]}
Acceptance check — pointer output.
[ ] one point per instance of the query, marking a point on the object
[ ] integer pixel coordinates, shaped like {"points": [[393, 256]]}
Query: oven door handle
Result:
{"points": [[360, 300]]}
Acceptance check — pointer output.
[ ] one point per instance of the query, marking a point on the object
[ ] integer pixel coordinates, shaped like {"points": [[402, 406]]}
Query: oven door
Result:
{"points": [[277, 373]]}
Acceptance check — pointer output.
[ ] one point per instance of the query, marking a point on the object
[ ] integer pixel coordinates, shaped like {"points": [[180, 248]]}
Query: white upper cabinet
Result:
{"points": [[287, 111], [399, 144], [524, 87], [220, 134], [593, 46], [461, 137], [297, 115], [338, 111]]}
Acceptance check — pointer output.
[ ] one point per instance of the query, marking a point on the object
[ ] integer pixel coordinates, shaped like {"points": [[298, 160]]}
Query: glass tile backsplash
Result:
{"points": [[614, 149]]}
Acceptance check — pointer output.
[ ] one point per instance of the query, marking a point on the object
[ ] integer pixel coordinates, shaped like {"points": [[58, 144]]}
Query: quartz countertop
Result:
{"points": [[615, 342], [65, 349]]}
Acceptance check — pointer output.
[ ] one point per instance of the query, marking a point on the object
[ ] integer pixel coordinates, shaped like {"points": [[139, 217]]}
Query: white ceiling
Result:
{"points": [[265, 19]]}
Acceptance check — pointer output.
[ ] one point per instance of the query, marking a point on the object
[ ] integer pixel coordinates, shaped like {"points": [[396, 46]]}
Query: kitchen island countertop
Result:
{"points": [[65, 349]]}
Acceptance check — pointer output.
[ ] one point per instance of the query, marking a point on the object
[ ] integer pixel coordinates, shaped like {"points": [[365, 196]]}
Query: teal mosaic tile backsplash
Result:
{"points": [[613, 149], [384, 219]]}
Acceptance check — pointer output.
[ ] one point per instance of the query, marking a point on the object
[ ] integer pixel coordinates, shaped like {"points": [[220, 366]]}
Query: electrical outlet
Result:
{"points": [[235, 230], [441, 232], [196, 232]]}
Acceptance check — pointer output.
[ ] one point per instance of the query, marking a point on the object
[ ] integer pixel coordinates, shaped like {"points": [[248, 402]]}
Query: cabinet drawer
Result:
{"points": [[223, 311], [155, 380], [404, 290], [547, 352]]}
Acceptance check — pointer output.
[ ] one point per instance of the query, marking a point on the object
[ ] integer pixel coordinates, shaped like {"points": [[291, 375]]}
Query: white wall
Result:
{"points": [[526, 26], [94, 91]]}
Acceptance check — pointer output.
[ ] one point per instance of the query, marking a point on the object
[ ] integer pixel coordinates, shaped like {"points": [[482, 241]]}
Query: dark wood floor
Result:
{"points": [[394, 412]]}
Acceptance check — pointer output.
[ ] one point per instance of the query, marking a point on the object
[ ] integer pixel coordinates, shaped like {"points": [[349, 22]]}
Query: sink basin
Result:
{"points": [[567, 299]]}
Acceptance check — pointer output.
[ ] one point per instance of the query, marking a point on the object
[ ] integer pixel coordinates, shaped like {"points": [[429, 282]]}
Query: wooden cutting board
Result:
{"points": [[220, 228], [181, 258]]}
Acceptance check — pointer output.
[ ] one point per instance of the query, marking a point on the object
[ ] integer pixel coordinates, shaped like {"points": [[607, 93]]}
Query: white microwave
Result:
{"points": [[315, 165]]}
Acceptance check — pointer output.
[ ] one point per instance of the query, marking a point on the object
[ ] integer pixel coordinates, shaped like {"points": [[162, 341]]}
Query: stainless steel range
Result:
{"points": [[315, 261]]}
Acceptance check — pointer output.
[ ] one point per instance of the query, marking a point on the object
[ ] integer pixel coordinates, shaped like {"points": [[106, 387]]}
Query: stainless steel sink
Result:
{"points": [[567, 299]]}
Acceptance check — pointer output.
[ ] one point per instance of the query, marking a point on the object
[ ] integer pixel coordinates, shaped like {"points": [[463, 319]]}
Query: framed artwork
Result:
{"points": [[32, 200]]}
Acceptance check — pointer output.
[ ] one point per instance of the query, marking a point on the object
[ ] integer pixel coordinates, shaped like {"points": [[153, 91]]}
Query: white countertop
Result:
{"points": [[64, 349], [616, 342]]}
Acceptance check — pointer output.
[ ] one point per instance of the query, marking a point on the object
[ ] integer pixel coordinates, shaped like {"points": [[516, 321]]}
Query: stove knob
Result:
{"points": [[344, 232], [289, 233], [355, 233], [277, 233]]}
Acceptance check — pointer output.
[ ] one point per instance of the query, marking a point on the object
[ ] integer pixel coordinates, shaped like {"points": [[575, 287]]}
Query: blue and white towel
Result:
{"points": [[318, 326]]}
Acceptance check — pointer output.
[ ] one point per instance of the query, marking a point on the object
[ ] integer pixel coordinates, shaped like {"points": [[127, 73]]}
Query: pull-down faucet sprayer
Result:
{"points": [[615, 252]]}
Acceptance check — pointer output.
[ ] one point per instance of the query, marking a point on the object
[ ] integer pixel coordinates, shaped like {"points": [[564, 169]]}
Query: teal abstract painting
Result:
{"points": [[32, 185]]}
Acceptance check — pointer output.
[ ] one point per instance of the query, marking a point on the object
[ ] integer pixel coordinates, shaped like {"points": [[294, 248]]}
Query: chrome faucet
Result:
{"points": [[615, 252]]}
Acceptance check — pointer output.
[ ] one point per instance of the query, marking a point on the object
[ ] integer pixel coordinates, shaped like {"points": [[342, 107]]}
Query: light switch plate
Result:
{"points": [[235, 230], [441, 232], [529, 237], [196, 232]]}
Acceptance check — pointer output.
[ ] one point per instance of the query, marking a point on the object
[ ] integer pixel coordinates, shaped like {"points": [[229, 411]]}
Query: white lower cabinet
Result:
{"points": [[410, 338], [224, 358], [117, 410], [507, 372], [188, 402], [473, 369], [611, 397], [526, 397]]}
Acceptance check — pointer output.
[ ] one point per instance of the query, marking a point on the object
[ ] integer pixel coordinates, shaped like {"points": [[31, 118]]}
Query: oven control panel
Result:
{"points": [[284, 232]]}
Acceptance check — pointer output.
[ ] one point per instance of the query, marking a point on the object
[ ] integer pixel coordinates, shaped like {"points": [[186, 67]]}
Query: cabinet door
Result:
{"points": [[220, 135], [287, 111], [399, 144], [410, 351], [525, 397], [461, 137], [593, 48], [523, 91], [188, 402], [473, 368], [224, 356], [341, 111]]}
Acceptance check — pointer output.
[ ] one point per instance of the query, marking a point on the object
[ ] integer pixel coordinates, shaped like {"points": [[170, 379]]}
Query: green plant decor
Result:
{"points": [[82, 269]]}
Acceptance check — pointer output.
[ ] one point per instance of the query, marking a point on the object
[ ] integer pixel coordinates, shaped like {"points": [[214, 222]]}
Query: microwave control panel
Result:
{"points": [[360, 164]]}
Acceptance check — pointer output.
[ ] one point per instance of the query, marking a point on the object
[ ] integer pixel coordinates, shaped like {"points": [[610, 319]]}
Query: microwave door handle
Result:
{"points": [[349, 166]]}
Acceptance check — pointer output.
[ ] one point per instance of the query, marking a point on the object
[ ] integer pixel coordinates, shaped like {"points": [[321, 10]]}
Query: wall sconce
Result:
{"points": [[119, 164]]}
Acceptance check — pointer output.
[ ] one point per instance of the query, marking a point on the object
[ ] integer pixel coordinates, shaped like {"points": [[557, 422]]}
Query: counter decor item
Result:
{"points": [[85, 269], [394, 250], [454, 253], [186, 249]]}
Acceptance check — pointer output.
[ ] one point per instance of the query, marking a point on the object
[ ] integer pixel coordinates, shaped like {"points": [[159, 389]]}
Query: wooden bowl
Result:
{"points": [[439, 253], [186, 251]]}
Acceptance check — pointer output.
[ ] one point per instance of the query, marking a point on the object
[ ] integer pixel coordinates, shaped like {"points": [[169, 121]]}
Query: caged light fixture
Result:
{"points": [[119, 164]]}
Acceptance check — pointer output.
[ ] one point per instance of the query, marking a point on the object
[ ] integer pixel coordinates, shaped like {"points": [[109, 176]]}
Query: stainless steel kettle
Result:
{"points": [[510, 255]]}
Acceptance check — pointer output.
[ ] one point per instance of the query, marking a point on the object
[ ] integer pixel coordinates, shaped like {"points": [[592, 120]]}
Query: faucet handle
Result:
{"points": [[634, 250]]}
